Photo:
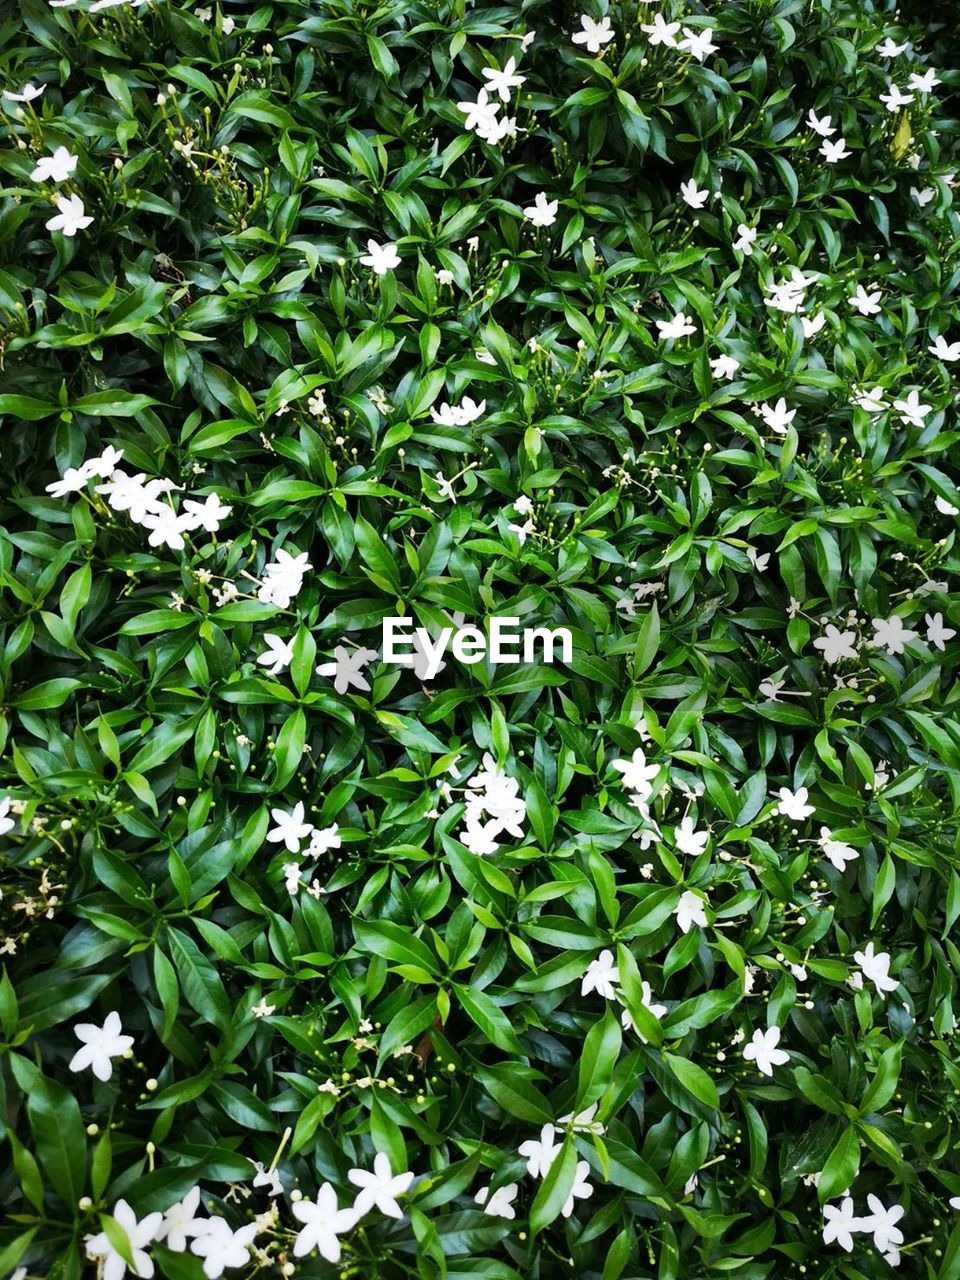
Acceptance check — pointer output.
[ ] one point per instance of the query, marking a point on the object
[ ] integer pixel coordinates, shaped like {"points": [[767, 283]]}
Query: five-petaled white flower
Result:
{"points": [[71, 218], [690, 911], [763, 1050], [894, 98], [822, 125], [501, 82], [724, 366], [688, 840], [324, 1222], [890, 49], [834, 151], [541, 1152], [594, 34], [944, 350], [499, 1204], [793, 804], [697, 43], [380, 1187], [924, 82], [691, 196], [836, 851], [868, 304], [891, 634], [637, 774], [659, 31], [347, 667], [278, 655], [875, 966], [745, 238], [139, 1235], [481, 115], [181, 1222], [601, 976], [100, 1044], [836, 645], [679, 327], [840, 1224], [937, 633], [912, 410], [290, 828], [381, 257], [55, 168], [221, 1247], [777, 416], [543, 212], [882, 1222]]}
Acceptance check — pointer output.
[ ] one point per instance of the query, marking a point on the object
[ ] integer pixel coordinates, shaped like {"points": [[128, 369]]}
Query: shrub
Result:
{"points": [[638, 323]]}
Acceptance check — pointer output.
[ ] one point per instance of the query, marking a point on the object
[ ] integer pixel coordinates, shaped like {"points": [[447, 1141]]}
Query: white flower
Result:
{"points": [[601, 976], [891, 634], [924, 197], [945, 508], [27, 94], [100, 1044], [793, 804], [698, 43], [323, 840], [895, 99], [71, 218], [777, 416], [481, 115], [6, 824], [678, 327], [282, 578], [836, 851], [690, 911], [291, 874], [501, 82], [55, 168], [745, 238], [875, 967], [346, 668], [543, 212], [268, 1178], [836, 644], [584, 1121], [661, 32], [925, 83], [871, 400], [724, 366], [822, 125], [105, 464], [581, 1189], [208, 514], [594, 34], [763, 1050], [882, 1222], [221, 1247], [868, 304], [637, 774], [449, 416], [691, 196], [290, 828], [522, 531], [889, 49], [540, 1153], [813, 324], [180, 1222], [139, 1235], [381, 257], [759, 562], [944, 350], [73, 480], [937, 633], [833, 152], [840, 1224], [228, 24], [278, 655], [688, 840], [912, 411], [324, 1223], [500, 1203], [166, 527], [380, 1188], [523, 505]]}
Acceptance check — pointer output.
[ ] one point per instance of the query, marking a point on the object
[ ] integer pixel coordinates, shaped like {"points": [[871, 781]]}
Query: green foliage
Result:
{"points": [[765, 613]]}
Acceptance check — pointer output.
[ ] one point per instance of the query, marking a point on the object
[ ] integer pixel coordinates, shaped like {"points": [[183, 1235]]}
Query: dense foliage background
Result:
{"points": [[696, 917]]}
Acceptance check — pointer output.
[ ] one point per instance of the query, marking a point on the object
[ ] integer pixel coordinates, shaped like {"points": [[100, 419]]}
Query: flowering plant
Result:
{"points": [[640, 322]]}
